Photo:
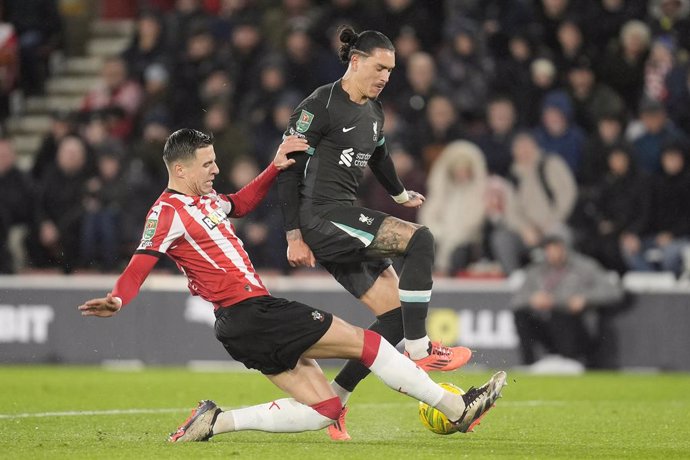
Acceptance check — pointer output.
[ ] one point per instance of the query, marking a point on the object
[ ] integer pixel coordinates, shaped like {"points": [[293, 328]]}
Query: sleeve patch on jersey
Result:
{"points": [[304, 121], [381, 142], [150, 229], [311, 151]]}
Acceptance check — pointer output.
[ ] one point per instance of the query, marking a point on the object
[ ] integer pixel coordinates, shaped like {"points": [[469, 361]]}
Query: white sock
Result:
{"points": [[418, 348], [341, 392], [403, 375], [280, 416]]}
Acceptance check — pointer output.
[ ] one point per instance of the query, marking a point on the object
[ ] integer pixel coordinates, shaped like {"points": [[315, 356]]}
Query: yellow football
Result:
{"points": [[433, 419]]}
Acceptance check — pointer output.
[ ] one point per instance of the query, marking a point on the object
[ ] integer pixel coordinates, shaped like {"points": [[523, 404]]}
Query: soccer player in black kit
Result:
{"points": [[343, 124]]}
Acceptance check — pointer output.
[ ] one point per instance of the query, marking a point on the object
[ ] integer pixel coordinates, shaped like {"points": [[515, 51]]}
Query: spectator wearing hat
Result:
{"points": [[650, 133], [558, 133], [558, 293], [667, 229]]}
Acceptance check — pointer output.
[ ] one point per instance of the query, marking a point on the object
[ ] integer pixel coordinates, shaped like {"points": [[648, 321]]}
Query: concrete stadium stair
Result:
{"points": [[71, 78]]}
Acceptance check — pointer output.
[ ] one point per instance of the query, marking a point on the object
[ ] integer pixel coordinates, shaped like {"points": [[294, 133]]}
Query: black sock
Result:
{"points": [[390, 326], [415, 282]]}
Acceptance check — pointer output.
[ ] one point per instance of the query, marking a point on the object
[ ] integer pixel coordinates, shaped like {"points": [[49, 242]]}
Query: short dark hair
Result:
{"points": [[364, 42], [183, 143]]}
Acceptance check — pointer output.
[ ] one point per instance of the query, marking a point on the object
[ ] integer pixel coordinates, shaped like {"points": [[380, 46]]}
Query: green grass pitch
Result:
{"points": [[598, 415]]}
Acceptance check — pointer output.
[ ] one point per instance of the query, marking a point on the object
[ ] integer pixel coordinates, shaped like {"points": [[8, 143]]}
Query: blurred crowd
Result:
{"points": [[518, 120]]}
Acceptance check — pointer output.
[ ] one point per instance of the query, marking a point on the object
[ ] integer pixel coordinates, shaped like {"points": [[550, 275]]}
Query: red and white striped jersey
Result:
{"points": [[195, 231]]}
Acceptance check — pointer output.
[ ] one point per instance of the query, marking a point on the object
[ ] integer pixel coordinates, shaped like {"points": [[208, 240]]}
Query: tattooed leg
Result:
{"points": [[393, 237]]}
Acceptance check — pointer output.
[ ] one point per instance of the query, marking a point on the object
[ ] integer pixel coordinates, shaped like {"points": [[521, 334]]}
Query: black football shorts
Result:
{"points": [[269, 333], [339, 239]]}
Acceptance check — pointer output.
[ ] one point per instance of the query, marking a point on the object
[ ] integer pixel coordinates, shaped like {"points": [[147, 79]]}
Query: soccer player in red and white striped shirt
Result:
{"points": [[280, 338]]}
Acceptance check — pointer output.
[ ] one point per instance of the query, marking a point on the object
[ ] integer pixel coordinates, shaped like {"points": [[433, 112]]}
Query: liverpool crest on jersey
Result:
{"points": [[376, 131], [304, 121]]}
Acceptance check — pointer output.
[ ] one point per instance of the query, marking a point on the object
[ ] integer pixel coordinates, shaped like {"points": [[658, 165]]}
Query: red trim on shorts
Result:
{"points": [[329, 408], [370, 350]]}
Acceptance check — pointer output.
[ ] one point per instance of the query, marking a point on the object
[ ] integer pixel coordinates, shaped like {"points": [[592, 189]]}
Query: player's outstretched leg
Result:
{"points": [[415, 294]]}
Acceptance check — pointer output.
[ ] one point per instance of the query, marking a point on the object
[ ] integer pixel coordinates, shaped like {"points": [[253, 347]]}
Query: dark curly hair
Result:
{"points": [[364, 42]]}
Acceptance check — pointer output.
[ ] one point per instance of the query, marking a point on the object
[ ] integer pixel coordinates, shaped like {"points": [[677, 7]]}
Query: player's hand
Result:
{"points": [[415, 200], [289, 145], [104, 307], [299, 254]]}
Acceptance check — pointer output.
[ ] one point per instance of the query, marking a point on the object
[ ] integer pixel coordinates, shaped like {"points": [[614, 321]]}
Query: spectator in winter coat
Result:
{"points": [[545, 193], [456, 187]]}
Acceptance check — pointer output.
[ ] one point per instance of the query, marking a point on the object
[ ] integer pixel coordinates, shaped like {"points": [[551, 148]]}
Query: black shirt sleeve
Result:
{"points": [[382, 166], [310, 120], [288, 190]]}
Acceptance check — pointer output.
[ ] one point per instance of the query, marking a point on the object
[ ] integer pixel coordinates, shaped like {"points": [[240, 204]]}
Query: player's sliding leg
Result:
{"points": [[320, 405]]}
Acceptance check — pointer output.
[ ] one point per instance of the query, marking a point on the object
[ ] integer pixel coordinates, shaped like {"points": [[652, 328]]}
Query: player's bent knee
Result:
{"points": [[422, 240], [329, 408]]}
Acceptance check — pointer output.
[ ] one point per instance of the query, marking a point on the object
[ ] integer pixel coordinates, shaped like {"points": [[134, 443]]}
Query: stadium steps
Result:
{"points": [[107, 46], [70, 85], [114, 28], [47, 104], [29, 124], [65, 90], [84, 65]]}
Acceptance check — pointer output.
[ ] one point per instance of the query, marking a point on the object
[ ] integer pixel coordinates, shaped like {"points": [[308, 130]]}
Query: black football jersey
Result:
{"points": [[342, 136]]}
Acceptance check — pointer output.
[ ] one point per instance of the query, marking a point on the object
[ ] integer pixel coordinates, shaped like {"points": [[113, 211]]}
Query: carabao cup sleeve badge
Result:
{"points": [[304, 121], [150, 228]]}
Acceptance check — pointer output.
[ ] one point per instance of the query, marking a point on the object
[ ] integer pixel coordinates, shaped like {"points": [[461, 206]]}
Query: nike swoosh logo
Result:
{"points": [[348, 129]]}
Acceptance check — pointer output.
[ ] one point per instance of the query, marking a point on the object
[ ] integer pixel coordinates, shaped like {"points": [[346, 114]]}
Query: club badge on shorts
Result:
{"points": [[317, 316]]}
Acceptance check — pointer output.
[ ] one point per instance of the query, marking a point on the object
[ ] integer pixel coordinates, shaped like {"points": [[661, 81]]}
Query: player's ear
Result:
{"points": [[355, 60], [179, 170]]}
